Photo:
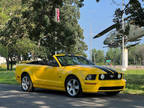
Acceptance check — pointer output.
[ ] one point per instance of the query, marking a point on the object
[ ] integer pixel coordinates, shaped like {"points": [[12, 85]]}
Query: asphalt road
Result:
{"points": [[11, 96]]}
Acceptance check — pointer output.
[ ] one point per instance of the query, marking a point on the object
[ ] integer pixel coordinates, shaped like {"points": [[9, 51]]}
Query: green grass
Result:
{"points": [[7, 77], [135, 80]]}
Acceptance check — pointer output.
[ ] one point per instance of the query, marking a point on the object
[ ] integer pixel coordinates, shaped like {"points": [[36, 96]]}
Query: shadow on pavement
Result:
{"points": [[13, 97]]}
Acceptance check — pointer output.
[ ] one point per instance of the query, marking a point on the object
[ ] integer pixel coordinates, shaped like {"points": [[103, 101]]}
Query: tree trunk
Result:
{"points": [[11, 63], [19, 58], [7, 61], [33, 56]]}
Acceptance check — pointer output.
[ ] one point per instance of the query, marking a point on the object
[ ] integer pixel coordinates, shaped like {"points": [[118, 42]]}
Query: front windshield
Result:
{"points": [[73, 60]]}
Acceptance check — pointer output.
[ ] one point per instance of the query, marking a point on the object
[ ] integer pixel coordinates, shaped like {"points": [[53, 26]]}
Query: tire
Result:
{"points": [[26, 83], [73, 87], [112, 93]]}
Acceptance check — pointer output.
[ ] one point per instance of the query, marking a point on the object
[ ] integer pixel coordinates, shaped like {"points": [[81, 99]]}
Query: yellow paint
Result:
{"points": [[44, 76]]}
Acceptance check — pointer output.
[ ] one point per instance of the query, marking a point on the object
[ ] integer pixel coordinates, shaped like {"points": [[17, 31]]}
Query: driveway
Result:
{"points": [[11, 96]]}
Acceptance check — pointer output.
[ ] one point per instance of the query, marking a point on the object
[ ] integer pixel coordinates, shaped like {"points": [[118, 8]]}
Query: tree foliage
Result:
{"points": [[98, 56], [133, 11], [134, 14], [136, 55], [114, 54], [7, 9], [66, 36], [3, 51], [30, 28]]}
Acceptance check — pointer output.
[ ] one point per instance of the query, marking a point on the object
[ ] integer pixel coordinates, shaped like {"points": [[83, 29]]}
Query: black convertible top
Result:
{"points": [[50, 63], [39, 62]]}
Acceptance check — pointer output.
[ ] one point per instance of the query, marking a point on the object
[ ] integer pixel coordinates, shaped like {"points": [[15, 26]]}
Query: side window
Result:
{"points": [[52, 62]]}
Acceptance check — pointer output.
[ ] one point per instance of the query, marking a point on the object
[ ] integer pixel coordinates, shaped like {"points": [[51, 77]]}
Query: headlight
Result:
{"points": [[90, 77], [119, 76], [102, 76]]}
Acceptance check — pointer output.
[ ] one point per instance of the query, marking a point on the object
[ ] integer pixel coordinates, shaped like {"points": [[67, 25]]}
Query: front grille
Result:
{"points": [[110, 77], [111, 88]]}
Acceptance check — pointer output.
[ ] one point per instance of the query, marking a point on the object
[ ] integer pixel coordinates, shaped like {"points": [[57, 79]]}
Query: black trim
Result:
{"points": [[48, 63], [93, 77], [110, 77], [111, 88], [112, 70], [104, 69]]}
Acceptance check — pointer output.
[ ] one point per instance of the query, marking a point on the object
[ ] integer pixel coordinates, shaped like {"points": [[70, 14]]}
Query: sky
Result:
{"points": [[95, 17]]}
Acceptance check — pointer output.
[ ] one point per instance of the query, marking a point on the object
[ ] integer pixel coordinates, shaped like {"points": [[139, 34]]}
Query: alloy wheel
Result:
{"points": [[25, 83], [73, 87]]}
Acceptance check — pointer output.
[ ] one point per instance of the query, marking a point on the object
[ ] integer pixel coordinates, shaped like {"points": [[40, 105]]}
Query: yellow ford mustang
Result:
{"points": [[70, 73]]}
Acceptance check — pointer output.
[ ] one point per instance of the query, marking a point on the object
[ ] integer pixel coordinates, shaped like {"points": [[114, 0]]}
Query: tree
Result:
{"points": [[136, 55], [98, 56], [66, 36], [3, 51], [9, 34], [133, 12], [35, 23], [7, 10], [25, 49], [114, 54]]}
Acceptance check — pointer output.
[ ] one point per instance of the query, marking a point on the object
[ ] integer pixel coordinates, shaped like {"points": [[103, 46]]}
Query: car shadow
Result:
{"points": [[63, 93], [11, 96]]}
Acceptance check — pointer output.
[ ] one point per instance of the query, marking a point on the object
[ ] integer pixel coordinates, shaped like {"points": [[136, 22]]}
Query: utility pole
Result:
{"points": [[123, 40], [94, 58], [90, 43]]}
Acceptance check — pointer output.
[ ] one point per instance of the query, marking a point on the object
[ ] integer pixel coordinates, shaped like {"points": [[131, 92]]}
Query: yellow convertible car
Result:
{"points": [[70, 73]]}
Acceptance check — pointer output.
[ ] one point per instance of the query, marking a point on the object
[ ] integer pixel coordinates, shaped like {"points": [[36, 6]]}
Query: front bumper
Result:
{"points": [[104, 86]]}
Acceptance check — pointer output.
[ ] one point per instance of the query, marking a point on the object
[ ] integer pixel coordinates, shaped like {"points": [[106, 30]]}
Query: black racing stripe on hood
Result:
{"points": [[115, 72], [104, 69]]}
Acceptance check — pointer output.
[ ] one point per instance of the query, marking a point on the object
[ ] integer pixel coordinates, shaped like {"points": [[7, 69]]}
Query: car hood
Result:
{"points": [[92, 69]]}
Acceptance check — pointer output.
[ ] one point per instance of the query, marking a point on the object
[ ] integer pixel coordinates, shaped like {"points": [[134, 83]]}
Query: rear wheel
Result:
{"points": [[112, 93], [26, 83], [73, 87]]}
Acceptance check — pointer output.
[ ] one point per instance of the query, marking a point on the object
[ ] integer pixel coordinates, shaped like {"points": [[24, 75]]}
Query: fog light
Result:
{"points": [[119, 76], [102, 76]]}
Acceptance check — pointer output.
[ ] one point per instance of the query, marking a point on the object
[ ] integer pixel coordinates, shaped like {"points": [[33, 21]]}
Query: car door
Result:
{"points": [[47, 75]]}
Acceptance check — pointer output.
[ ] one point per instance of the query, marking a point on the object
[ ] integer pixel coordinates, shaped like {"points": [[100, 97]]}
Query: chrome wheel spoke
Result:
{"points": [[74, 91], [77, 87], [69, 84], [23, 84], [68, 87], [74, 82], [23, 80]]}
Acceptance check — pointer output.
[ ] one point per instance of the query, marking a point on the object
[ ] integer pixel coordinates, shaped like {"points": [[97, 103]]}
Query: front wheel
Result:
{"points": [[26, 84], [73, 87], [112, 93]]}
